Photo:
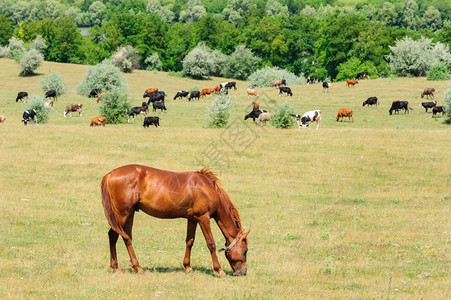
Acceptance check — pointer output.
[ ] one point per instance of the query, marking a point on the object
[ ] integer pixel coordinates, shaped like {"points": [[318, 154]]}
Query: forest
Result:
{"points": [[302, 36]]}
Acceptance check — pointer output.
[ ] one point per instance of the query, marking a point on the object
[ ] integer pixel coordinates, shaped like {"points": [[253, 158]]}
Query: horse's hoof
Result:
{"points": [[188, 270], [222, 274], [117, 271], [138, 270]]}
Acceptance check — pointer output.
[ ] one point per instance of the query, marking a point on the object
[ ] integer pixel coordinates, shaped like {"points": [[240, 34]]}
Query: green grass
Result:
{"points": [[333, 213]]}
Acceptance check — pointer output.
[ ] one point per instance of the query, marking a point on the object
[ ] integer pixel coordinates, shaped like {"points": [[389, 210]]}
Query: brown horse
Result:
{"points": [[196, 196]]}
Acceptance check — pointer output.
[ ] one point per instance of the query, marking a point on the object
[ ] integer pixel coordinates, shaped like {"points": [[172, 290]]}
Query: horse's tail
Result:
{"points": [[111, 212]]}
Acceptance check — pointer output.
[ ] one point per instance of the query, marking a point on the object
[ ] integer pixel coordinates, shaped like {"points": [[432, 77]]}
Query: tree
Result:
{"points": [[6, 29], [126, 59], [114, 105], [96, 13], [238, 9], [30, 61], [409, 18], [266, 76], [55, 81], [350, 68], [194, 12], [16, 49], [155, 7], [153, 62], [387, 14], [439, 72], [219, 111], [241, 63], [198, 62], [432, 19], [39, 44], [276, 9]]}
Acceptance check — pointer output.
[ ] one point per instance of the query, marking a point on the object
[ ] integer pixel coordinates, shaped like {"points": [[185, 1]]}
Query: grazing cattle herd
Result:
{"points": [[157, 98]]}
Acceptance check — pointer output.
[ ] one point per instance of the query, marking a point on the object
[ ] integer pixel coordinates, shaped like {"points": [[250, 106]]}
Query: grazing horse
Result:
{"points": [[196, 196]]}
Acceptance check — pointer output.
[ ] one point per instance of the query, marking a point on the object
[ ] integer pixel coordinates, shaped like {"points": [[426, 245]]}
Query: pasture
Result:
{"points": [[353, 210]]}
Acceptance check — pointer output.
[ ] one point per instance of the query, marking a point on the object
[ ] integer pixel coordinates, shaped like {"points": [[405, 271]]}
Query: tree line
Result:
{"points": [[302, 36]]}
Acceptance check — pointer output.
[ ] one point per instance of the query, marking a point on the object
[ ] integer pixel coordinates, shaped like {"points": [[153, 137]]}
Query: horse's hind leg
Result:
{"points": [[128, 243], [113, 236], [190, 236]]}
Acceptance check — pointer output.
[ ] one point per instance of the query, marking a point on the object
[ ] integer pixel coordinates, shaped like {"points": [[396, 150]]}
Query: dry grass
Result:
{"points": [[333, 213]]}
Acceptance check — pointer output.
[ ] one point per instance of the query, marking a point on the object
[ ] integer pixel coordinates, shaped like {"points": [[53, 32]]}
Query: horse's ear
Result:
{"points": [[245, 235]]}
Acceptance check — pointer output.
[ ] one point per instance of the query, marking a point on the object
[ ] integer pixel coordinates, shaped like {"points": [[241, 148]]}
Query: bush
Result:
{"points": [[54, 81], [282, 117], [265, 77], [199, 62], [439, 72], [16, 49], [220, 61], [104, 76], [350, 68], [447, 101], [153, 62], [114, 106], [39, 44], [37, 104], [240, 63], [30, 61], [219, 111], [126, 59]]}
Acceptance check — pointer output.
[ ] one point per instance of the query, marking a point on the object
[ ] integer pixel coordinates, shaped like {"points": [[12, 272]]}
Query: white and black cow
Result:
{"points": [[155, 96], [73, 108], [312, 79], [307, 118], [438, 109], [285, 89], [181, 94], [159, 105], [194, 95], [371, 101], [137, 110], [151, 121], [428, 105], [21, 96], [94, 93], [398, 105], [29, 115], [230, 84], [253, 114], [326, 86]]}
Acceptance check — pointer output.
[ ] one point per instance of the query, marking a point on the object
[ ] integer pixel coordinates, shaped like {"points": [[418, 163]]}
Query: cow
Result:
{"points": [[194, 95], [218, 89], [181, 94], [255, 105], [230, 84], [278, 83], [326, 86], [312, 79], [345, 112], [48, 104], [371, 101], [351, 82], [438, 109], [159, 105], [98, 121], [397, 105], [263, 117], [307, 118], [151, 121], [28, 116], [100, 97], [253, 114], [155, 96], [21, 96], [428, 92], [137, 110], [94, 93], [149, 90], [73, 108], [51, 94], [362, 75], [284, 89], [2, 119], [251, 92], [205, 92], [428, 105]]}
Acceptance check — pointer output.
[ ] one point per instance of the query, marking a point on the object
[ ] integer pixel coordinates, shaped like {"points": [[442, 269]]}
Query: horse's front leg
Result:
{"points": [[204, 222], [190, 236]]}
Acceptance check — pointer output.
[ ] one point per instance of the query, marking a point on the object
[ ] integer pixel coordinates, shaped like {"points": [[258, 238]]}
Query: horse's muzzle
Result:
{"points": [[240, 272]]}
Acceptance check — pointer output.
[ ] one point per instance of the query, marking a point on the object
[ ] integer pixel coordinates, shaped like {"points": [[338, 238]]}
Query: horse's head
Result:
{"points": [[236, 254]]}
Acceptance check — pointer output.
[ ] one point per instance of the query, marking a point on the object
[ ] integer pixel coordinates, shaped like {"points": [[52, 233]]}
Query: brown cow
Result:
{"points": [[97, 121], [428, 92], [345, 112], [278, 83], [251, 92], [72, 108], [255, 105], [150, 90], [2, 119], [217, 89], [351, 82], [205, 92], [100, 97]]}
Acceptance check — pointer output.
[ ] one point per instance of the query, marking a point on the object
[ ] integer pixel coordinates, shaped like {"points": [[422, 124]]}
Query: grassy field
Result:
{"points": [[354, 210]]}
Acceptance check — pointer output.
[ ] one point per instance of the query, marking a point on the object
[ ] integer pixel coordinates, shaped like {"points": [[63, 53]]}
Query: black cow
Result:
{"points": [[231, 84], [362, 75], [51, 94], [371, 101], [397, 105], [326, 86], [21, 96], [94, 93], [28, 116], [312, 79], [284, 89], [438, 109], [159, 105], [155, 96], [137, 111], [181, 94], [193, 95], [151, 121], [253, 114], [428, 105]]}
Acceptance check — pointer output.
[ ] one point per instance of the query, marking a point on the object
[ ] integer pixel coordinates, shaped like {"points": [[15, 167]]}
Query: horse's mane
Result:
{"points": [[223, 197]]}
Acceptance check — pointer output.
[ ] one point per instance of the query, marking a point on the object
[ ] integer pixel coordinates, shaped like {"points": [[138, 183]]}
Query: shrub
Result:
{"points": [[266, 77], [240, 63], [220, 61], [219, 111], [439, 72], [39, 44], [199, 62], [37, 104], [447, 101], [4, 51], [282, 117], [126, 59], [54, 81], [104, 76], [30, 61], [114, 106], [16, 49], [153, 62], [350, 68]]}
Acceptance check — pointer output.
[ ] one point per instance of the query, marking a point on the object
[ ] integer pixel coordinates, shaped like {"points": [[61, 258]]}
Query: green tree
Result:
{"points": [[283, 116], [241, 63], [96, 13], [275, 9], [180, 40], [153, 62], [55, 81], [114, 106], [155, 7], [432, 19], [6, 29], [194, 12], [350, 68], [199, 62], [219, 111], [387, 14]]}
